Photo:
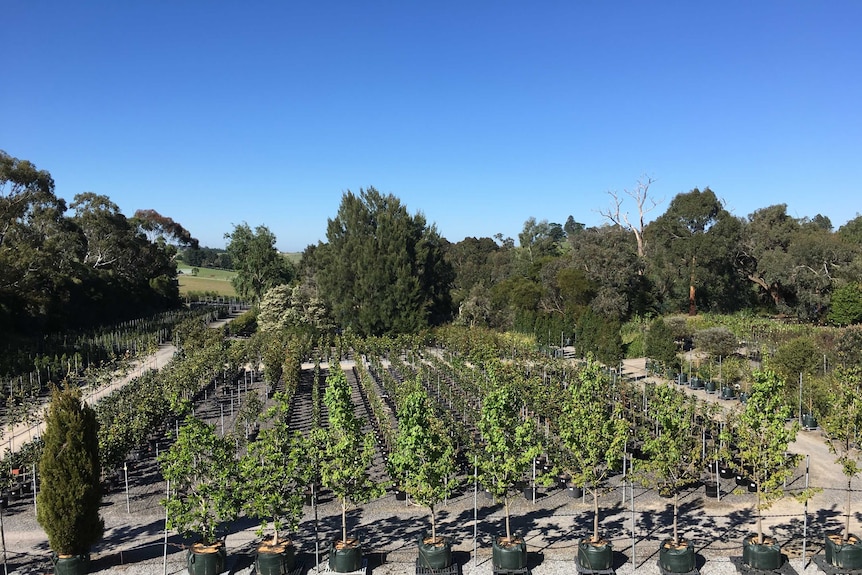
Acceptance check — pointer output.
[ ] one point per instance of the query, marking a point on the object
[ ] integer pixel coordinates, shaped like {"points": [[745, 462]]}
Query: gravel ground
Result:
{"points": [[134, 539]]}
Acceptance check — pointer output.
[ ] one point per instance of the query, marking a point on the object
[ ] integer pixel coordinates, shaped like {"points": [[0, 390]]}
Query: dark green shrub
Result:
{"points": [[67, 506]]}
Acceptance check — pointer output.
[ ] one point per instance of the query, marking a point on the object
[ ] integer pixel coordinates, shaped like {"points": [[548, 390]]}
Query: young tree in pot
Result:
{"points": [[593, 429], [842, 425], [510, 444], [673, 461], [71, 493], [424, 462], [274, 472], [761, 435], [201, 468], [345, 464]]}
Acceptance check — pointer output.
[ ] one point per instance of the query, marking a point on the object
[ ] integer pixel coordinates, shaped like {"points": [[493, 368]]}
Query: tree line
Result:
{"points": [[66, 266], [383, 269]]}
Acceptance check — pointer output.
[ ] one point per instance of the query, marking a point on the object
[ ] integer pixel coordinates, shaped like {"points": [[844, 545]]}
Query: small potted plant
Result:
{"points": [[201, 469], [424, 462], [509, 446], [842, 426], [344, 467], [761, 436], [67, 506], [274, 472], [593, 429]]}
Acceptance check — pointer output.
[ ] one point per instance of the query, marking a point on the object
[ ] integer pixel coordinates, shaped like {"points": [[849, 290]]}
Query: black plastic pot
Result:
{"points": [[595, 556], [766, 555], [844, 555], [208, 560], [697, 383], [435, 555], [71, 565], [728, 393], [710, 488], [725, 472], [809, 421], [347, 559], [575, 492], [400, 495], [710, 386], [752, 487], [531, 493], [274, 562], [677, 559], [509, 556], [742, 481]]}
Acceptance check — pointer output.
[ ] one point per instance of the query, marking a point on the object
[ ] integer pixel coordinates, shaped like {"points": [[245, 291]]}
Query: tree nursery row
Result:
{"points": [[437, 413]]}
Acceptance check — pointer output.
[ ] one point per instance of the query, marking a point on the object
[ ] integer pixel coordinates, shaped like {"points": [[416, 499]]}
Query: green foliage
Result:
{"points": [[296, 308], [761, 435], [258, 264], [424, 456], [510, 443], [799, 355], [594, 431], [600, 337], [672, 447], [347, 452], [67, 505], [843, 425], [660, 344], [202, 470], [846, 305], [274, 473], [716, 341], [382, 270]]}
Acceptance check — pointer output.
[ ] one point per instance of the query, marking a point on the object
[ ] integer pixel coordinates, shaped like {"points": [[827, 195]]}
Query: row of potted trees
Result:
{"points": [[204, 474]]}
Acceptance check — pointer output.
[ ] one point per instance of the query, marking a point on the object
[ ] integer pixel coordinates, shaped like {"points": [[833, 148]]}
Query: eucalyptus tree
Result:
{"points": [[693, 253]]}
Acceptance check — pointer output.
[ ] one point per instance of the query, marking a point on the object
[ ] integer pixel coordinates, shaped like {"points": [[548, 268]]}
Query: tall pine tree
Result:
{"points": [[382, 270]]}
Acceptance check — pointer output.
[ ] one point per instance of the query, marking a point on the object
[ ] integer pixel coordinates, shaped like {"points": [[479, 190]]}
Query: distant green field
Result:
{"points": [[207, 280]]}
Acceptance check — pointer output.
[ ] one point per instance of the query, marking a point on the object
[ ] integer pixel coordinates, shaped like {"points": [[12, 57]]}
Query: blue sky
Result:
{"points": [[478, 114]]}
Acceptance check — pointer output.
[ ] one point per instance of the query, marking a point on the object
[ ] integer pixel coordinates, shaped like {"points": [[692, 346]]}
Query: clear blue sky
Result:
{"points": [[477, 114]]}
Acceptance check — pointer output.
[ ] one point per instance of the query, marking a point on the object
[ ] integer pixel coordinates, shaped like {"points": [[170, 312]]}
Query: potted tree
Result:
{"points": [[67, 506], [842, 426], [673, 461], [274, 473], [761, 436], [344, 466], [424, 462], [593, 429], [509, 446], [201, 470]]}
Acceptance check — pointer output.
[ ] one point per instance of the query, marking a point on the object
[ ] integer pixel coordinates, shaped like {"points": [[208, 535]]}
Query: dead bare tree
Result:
{"points": [[645, 204]]}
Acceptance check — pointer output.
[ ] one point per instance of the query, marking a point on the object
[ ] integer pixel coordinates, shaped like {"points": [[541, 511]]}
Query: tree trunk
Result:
{"points": [[759, 517], [595, 514], [344, 520], [675, 516], [508, 530], [847, 519], [433, 525], [692, 307]]}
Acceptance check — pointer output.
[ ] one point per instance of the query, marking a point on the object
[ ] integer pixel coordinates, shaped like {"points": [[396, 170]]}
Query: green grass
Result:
{"points": [[207, 280]]}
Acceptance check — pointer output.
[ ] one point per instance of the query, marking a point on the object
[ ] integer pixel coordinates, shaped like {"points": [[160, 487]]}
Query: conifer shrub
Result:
{"points": [[67, 506]]}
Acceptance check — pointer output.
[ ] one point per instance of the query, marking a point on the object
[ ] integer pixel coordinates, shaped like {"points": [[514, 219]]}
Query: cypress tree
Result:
{"points": [[67, 506]]}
